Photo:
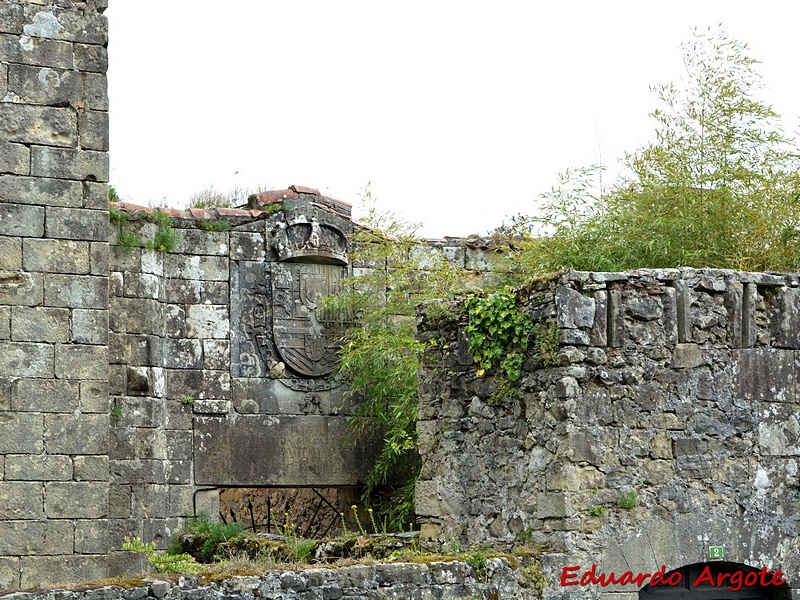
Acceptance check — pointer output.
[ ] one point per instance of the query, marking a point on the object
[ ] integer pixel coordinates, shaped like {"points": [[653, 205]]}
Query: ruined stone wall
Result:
{"points": [[668, 424], [53, 291], [452, 579], [215, 382]]}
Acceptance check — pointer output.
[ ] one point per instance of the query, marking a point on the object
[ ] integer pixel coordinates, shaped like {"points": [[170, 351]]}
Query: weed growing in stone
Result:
{"points": [[163, 563], [628, 500], [208, 225], [498, 332], [597, 511]]}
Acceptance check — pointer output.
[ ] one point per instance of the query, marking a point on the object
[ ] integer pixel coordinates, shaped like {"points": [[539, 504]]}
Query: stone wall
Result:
{"points": [[215, 377], [668, 424], [53, 290], [453, 580]]}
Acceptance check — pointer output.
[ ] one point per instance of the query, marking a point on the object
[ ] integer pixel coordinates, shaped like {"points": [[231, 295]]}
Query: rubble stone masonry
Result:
{"points": [[666, 424]]}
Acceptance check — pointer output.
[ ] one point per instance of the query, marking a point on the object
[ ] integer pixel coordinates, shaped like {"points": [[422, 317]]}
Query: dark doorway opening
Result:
{"points": [[727, 582]]}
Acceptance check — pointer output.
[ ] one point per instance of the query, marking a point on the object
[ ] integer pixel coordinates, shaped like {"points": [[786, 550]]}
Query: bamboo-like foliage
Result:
{"points": [[718, 187], [380, 356]]}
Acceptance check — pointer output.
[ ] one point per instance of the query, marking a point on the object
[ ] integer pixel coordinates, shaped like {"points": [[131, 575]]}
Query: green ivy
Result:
{"points": [[498, 332]]}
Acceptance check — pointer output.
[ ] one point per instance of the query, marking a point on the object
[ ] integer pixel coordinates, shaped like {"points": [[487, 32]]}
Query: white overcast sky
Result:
{"points": [[458, 112]]}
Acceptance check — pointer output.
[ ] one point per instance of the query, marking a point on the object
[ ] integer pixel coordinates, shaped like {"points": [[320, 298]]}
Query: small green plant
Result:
{"points": [[116, 412], [498, 332], [118, 217], [361, 529], [533, 573], [128, 240], [163, 563], [546, 341], [208, 225], [112, 194], [187, 400], [214, 537], [164, 240], [477, 560], [597, 511], [628, 500]]}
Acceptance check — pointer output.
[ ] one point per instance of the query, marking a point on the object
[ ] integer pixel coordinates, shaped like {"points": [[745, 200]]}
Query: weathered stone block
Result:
{"points": [[91, 537], [96, 90], [77, 224], [81, 362], [687, 356], [9, 567], [11, 16], [10, 252], [26, 359], [23, 538], [765, 374], [271, 450], [199, 384], [141, 412], [76, 500], [38, 468], [183, 354], [399, 573], [119, 501], [29, 124], [20, 500], [5, 325], [133, 315], [21, 433], [137, 471], [90, 468], [21, 220], [91, 57], [93, 130], [149, 500], [180, 500], [39, 324], [212, 407], [55, 256], [14, 158], [573, 309], [44, 395], [21, 289], [214, 292], [76, 292], [553, 505], [46, 192], [39, 571], [94, 397], [208, 321], [210, 243], [68, 163], [247, 246], [181, 291], [95, 195], [206, 268], [89, 326], [65, 24], [43, 85], [71, 434], [216, 354]]}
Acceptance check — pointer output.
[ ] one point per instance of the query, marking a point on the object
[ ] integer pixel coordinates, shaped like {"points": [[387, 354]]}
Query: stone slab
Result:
{"points": [[262, 450]]}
